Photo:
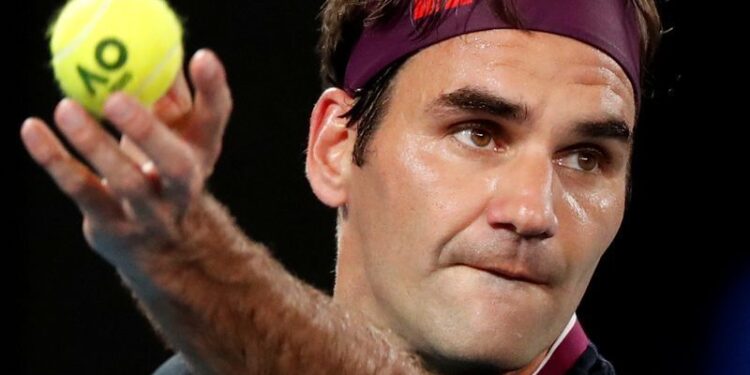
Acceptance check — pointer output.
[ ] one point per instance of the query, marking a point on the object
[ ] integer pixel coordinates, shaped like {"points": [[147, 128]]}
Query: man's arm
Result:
{"points": [[213, 294], [230, 308]]}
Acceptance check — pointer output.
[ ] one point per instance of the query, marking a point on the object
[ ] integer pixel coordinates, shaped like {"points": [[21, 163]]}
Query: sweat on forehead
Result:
{"points": [[608, 25]]}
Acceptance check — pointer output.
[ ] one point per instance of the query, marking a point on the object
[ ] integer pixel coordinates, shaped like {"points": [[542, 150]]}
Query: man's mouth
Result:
{"points": [[508, 273]]}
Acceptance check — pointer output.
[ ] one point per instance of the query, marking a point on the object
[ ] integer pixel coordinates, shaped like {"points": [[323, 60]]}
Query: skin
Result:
{"points": [[447, 195], [214, 295], [143, 182], [426, 212]]}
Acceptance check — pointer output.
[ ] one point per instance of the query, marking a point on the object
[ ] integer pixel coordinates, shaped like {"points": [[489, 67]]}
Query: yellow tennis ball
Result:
{"points": [[102, 46]]}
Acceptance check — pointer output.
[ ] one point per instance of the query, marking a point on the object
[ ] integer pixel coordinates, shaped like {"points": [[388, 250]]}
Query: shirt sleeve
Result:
{"points": [[175, 365]]}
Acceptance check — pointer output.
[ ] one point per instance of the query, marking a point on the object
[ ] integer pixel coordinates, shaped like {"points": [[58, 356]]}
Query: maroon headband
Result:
{"points": [[608, 25]]}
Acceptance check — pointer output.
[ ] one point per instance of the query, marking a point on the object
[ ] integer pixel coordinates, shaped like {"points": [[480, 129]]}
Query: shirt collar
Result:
{"points": [[566, 350]]}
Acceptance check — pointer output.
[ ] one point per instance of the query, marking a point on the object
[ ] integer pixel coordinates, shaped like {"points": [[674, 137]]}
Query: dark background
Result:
{"points": [[652, 307]]}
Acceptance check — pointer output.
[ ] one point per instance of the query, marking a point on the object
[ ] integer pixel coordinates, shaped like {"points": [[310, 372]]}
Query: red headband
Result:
{"points": [[608, 25]]}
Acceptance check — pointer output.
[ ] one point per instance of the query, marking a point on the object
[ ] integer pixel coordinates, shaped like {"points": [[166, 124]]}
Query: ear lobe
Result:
{"points": [[329, 147]]}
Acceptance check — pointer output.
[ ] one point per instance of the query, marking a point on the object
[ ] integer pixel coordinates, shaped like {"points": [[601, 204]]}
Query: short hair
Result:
{"points": [[344, 20]]}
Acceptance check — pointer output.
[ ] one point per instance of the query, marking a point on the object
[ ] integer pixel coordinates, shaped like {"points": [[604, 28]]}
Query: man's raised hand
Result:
{"points": [[140, 186]]}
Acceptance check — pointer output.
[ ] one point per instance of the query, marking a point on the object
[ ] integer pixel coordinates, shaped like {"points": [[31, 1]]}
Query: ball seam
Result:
{"points": [[158, 69], [83, 35]]}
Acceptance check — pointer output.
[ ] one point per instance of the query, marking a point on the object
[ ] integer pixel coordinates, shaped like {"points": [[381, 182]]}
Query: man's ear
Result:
{"points": [[329, 147]]}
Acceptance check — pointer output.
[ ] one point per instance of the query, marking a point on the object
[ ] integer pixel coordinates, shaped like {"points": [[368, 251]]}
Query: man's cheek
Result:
{"points": [[592, 218], [606, 208]]}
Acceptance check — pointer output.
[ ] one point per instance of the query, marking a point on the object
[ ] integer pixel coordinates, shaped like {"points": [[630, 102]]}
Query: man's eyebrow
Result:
{"points": [[613, 128], [471, 99]]}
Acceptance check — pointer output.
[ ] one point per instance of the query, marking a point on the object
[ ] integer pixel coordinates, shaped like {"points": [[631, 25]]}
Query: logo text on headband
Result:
{"points": [[424, 8]]}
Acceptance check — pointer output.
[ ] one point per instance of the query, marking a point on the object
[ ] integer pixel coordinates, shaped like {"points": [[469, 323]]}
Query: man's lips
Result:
{"points": [[537, 263], [507, 273]]}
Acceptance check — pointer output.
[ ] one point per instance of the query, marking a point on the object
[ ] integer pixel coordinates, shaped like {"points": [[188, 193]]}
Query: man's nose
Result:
{"points": [[523, 196]]}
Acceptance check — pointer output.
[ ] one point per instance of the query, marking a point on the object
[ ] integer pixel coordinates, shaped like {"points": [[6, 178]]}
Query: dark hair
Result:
{"points": [[342, 25], [343, 21]]}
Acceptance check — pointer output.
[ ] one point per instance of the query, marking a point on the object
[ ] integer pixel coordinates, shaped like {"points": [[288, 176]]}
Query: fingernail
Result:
{"points": [[118, 108], [71, 118], [33, 139], [31, 136], [210, 61]]}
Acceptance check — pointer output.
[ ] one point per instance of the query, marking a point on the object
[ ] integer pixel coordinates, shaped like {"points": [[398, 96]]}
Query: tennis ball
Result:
{"points": [[102, 46]]}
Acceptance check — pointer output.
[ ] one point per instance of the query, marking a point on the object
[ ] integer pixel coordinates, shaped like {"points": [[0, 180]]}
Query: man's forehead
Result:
{"points": [[521, 48], [508, 60]]}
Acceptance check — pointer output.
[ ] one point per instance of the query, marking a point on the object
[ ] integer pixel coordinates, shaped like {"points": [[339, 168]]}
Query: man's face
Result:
{"points": [[492, 187]]}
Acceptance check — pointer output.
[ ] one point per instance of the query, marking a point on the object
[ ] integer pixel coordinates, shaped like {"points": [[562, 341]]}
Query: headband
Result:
{"points": [[608, 25]]}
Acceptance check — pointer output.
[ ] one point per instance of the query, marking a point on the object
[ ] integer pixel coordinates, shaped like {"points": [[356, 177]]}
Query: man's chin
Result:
{"points": [[475, 345], [479, 326], [480, 306]]}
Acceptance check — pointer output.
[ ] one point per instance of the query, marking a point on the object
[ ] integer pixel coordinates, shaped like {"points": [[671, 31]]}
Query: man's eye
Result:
{"points": [[583, 160], [476, 137]]}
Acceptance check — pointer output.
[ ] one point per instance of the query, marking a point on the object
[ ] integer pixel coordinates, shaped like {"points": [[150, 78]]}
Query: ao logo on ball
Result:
{"points": [[111, 55], [102, 46]]}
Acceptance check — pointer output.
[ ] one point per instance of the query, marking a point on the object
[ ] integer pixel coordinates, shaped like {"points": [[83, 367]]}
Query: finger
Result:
{"points": [[172, 156], [148, 169], [133, 151], [74, 178], [176, 103], [158, 222], [213, 102], [122, 175]]}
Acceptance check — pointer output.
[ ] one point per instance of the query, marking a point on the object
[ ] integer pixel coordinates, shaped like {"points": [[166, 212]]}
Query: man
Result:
{"points": [[477, 153]]}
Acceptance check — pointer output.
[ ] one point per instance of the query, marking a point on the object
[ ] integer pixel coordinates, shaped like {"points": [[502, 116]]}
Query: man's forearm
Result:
{"points": [[230, 308]]}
